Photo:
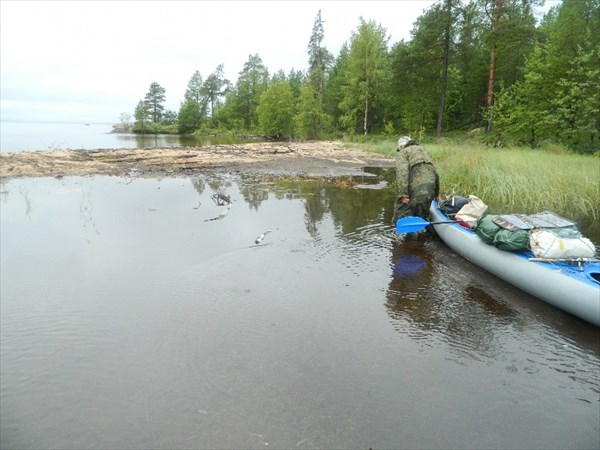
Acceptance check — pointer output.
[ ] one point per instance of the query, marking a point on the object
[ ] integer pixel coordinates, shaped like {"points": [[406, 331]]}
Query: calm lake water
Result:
{"points": [[129, 319], [31, 136]]}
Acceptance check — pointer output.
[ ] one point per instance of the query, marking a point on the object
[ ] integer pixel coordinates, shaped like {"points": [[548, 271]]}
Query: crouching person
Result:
{"points": [[417, 180]]}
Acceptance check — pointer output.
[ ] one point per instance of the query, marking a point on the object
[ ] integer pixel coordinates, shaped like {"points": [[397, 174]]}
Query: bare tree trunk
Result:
{"points": [[444, 83], [366, 115], [492, 77]]}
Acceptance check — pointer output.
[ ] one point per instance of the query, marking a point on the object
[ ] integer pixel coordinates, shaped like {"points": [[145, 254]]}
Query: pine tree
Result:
{"points": [[155, 99], [214, 89], [252, 82], [319, 59]]}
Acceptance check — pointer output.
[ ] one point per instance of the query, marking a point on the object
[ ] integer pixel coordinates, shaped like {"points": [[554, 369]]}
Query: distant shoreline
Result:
{"points": [[61, 122], [16, 136]]}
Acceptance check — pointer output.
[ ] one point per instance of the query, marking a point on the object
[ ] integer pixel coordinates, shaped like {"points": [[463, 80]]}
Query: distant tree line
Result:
{"points": [[480, 65]]}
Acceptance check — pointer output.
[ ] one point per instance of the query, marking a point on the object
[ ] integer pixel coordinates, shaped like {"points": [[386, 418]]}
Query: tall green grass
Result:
{"points": [[514, 180]]}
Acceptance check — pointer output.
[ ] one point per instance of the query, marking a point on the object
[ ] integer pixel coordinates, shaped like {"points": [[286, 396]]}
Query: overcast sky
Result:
{"points": [[89, 61]]}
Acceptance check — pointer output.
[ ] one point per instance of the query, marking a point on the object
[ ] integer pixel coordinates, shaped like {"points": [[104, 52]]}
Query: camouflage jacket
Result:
{"points": [[405, 159]]}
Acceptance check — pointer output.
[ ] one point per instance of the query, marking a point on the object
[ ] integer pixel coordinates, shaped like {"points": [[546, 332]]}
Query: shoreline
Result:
{"points": [[312, 158]]}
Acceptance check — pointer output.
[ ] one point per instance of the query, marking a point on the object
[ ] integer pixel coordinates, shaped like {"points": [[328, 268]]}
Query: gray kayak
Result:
{"points": [[573, 287]]}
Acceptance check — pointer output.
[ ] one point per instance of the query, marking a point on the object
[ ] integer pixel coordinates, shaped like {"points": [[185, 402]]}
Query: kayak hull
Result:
{"points": [[571, 287]]}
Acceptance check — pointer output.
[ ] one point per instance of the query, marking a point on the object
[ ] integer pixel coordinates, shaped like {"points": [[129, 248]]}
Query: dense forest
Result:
{"points": [[480, 66]]}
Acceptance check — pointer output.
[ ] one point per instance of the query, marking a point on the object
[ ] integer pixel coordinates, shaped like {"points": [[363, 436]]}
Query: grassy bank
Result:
{"points": [[514, 180]]}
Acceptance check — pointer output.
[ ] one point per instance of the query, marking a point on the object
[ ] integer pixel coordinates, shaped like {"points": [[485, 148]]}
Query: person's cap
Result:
{"points": [[404, 141]]}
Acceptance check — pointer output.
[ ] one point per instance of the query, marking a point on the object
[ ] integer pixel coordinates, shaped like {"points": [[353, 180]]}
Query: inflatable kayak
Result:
{"points": [[573, 286]]}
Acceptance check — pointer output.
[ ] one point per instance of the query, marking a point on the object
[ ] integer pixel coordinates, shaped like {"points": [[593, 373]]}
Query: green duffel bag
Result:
{"points": [[512, 241], [486, 229]]}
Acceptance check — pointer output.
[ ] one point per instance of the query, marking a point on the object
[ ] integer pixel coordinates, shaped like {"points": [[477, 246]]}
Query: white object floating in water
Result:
{"points": [[261, 237], [224, 213]]}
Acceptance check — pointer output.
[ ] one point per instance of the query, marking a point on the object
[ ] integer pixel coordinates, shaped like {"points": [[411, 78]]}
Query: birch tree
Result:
{"points": [[366, 75]]}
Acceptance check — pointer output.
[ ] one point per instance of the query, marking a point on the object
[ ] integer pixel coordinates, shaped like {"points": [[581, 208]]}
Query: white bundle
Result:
{"points": [[546, 244]]}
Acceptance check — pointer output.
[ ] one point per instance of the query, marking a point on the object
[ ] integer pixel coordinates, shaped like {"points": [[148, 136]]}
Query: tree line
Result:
{"points": [[476, 65]]}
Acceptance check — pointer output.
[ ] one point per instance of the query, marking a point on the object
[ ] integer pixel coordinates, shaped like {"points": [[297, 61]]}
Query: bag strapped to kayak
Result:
{"points": [[546, 234], [452, 204], [546, 219], [468, 215]]}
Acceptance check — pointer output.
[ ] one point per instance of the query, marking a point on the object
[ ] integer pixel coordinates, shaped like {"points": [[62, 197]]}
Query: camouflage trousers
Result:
{"points": [[423, 187]]}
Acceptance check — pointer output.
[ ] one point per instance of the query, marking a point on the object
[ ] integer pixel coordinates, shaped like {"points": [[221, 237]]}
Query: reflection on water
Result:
{"points": [[434, 294], [172, 140], [129, 319]]}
